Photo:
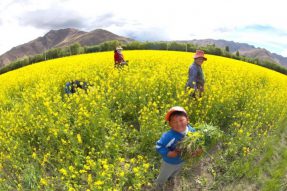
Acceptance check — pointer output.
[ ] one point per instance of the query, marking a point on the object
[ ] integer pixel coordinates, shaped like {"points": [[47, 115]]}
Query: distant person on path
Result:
{"points": [[119, 57], [195, 74], [166, 146]]}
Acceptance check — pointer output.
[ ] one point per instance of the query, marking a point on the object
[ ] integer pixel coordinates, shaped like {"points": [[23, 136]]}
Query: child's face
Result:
{"points": [[178, 123], [199, 61]]}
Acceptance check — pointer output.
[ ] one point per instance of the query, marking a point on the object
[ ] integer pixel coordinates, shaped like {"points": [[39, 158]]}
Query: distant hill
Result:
{"points": [[244, 49], [65, 37], [57, 39]]}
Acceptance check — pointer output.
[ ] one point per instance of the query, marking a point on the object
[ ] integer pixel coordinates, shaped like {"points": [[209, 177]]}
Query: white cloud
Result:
{"points": [[284, 53], [54, 18]]}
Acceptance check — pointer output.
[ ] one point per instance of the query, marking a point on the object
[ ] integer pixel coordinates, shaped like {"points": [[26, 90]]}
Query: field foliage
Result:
{"points": [[105, 139]]}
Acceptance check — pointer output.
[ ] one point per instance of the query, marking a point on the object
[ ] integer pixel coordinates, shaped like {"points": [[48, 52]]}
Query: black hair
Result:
{"points": [[177, 113]]}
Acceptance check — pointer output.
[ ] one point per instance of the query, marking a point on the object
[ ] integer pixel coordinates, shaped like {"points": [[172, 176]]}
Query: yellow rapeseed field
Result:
{"points": [[105, 139]]}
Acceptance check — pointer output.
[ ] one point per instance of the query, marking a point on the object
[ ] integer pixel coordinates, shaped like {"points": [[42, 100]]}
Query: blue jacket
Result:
{"points": [[195, 76], [168, 143]]}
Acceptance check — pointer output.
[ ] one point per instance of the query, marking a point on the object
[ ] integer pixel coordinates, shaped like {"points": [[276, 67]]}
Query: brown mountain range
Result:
{"points": [[57, 39], [244, 49], [65, 37]]}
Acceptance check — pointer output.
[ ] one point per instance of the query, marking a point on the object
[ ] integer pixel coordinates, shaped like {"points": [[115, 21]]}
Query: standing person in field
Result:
{"points": [[195, 74], [119, 57], [166, 146]]}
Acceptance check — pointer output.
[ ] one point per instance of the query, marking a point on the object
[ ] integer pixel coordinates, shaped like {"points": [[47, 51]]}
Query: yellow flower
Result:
{"points": [[98, 183], [87, 167], [90, 179], [106, 166], [71, 168], [133, 160], [121, 159], [64, 141], [122, 174], [43, 181], [136, 169], [82, 171], [146, 165], [34, 155], [240, 131], [63, 171], [79, 138]]}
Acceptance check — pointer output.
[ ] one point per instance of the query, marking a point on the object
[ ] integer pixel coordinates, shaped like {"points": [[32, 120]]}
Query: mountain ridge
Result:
{"points": [[68, 36], [244, 49], [58, 39]]}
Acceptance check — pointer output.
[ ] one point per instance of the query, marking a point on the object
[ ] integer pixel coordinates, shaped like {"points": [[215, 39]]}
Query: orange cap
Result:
{"points": [[173, 109]]}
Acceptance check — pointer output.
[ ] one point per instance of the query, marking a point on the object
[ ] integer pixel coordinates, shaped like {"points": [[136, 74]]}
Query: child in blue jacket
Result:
{"points": [[166, 146]]}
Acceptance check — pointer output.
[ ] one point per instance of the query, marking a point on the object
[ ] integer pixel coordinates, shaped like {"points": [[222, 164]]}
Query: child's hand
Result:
{"points": [[172, 154]]}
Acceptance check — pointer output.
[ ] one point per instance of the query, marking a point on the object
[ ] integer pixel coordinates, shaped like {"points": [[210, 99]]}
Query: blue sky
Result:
{"points": [[258, 23]]}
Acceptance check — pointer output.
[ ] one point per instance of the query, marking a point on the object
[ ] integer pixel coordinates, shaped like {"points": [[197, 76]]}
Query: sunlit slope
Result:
{"points": [[105, 138]]}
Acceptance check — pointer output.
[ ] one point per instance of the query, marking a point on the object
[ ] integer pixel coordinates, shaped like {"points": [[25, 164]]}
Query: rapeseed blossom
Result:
{"points": [[104, 139]]}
